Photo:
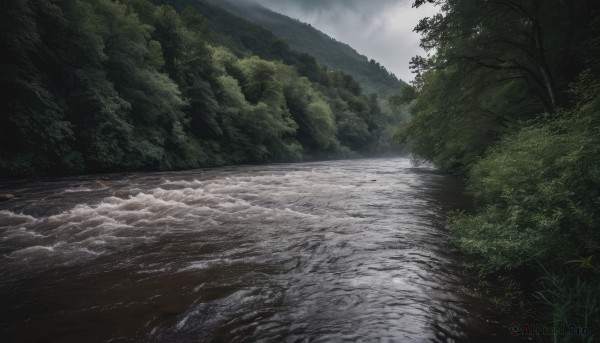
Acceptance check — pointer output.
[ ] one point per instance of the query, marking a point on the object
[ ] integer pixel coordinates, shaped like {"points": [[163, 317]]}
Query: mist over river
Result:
{"points": [[351, 250]]}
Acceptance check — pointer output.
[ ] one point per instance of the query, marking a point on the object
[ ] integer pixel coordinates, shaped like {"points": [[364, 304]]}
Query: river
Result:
{"points": [[352, 250]]}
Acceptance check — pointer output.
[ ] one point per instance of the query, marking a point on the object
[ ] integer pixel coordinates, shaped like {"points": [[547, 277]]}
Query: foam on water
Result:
{"points": [[115, 223], [347, 250]]}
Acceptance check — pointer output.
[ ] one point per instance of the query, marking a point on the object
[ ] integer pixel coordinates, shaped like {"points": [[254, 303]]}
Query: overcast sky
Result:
{"points": [[379, 29]]}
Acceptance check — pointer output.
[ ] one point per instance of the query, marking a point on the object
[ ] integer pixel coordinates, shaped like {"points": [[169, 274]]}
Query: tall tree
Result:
{"points": [[496, 62]]}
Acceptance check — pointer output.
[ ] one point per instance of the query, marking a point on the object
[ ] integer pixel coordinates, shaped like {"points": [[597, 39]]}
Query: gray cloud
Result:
{"points": [[316, 6], [379, 29]]}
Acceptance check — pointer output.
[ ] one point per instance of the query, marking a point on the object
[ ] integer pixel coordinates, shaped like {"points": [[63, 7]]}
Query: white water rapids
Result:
{"points": [[328, 251]]}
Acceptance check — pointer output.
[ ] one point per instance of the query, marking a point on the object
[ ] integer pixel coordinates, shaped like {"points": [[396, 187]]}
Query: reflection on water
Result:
{"points": [[331, 251]]}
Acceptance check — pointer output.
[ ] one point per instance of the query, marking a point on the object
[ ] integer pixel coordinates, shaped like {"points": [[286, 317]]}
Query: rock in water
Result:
{"points": [[94, 185], [122, 193]]}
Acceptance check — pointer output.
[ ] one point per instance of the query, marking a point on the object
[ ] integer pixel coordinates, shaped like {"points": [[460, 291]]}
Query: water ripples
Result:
{"points": [[328, 251]]}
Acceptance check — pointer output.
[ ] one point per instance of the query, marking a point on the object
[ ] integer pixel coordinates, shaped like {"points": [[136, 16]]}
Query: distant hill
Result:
{"points": [[328, 51], [247, 38]]}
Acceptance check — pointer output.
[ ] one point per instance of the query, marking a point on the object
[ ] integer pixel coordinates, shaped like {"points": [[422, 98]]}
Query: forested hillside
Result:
{"points": [[327, 51], [128, 85], [244, 38], [511, 101]]}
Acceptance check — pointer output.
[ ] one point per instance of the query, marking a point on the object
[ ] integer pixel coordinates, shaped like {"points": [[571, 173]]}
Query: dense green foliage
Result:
{"points": [[124, 85], [327, 51], [246, 39], [511, 101]]}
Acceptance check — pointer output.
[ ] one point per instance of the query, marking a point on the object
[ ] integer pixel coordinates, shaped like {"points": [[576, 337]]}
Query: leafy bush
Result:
{"points": [[539, 191]]}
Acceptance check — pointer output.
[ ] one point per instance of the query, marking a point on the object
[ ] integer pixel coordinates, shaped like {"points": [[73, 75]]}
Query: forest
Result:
{"points": [[327, 51], [98, 86], [510, 100]]}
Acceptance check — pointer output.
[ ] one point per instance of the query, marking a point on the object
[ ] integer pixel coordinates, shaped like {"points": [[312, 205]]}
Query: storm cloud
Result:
{"points": [[380, 29]]}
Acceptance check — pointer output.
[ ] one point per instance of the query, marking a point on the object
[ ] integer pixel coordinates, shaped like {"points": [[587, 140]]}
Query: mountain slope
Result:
{"points": [[246, 38], [305, 38], [100, 86]]}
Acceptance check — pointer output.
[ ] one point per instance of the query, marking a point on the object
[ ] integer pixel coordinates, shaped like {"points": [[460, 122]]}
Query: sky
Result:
{"points": [[379, 29]]}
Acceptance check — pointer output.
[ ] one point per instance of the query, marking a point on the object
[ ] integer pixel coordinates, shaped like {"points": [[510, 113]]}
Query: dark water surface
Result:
{"points": [[328, 251]]}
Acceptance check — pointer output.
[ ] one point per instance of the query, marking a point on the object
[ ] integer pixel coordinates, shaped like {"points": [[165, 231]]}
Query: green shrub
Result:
{"points": [[573, 298]]}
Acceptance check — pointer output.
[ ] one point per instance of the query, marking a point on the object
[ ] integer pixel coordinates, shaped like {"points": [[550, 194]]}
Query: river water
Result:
{"points": [[329, 251]]}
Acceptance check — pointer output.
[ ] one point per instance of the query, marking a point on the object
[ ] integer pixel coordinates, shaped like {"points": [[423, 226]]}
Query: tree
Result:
{"points": [[536, 41], [496, 63]]}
